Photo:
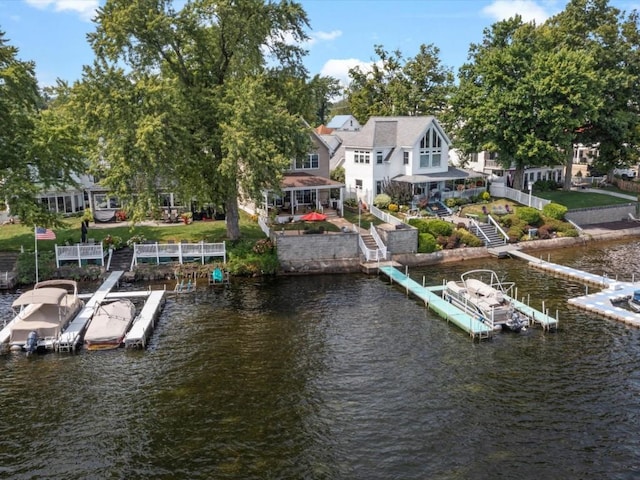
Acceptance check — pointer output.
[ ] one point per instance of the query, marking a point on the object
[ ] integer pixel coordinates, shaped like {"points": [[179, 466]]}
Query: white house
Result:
{"points": [[413, 150]]}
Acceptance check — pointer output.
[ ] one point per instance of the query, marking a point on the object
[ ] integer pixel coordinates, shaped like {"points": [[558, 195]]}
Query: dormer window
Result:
{"points": [[405, 157], [379, 157]]}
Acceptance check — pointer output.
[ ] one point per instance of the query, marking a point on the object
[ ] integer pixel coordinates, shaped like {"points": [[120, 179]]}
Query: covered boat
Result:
{"points": [[109, 325], [482, 295], [43, 313]]}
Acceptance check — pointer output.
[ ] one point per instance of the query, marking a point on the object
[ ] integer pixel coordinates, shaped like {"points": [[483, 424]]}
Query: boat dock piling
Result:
{"points": [[72, 335], [145, 321]]}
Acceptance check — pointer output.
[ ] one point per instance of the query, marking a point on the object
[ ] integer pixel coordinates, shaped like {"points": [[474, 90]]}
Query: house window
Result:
{"points": [[405, 158], [430, 149], [309, 162], [359, 184], [379, 187], [379, 157], [361, 156]]}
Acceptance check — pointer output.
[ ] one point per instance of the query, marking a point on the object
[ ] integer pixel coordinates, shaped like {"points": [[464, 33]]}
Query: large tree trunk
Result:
{"points": [[518, 178], [568, 168], [233, 217]]}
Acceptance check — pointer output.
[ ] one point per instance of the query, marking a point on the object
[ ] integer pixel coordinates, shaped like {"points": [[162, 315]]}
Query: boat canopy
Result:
{"points": [[636, 296], [46, 296]]}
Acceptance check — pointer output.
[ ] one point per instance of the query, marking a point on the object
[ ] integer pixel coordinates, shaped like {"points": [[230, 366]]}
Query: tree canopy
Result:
{"points": [[38, 147], [531, 92], [394, 86], [203, 100]]}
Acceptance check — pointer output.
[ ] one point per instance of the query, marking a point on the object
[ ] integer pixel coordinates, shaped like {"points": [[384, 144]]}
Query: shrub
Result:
{"points": [[420, 224], [554, 210], [263, 246], [426, 243], [136, 239], [351, 202], [393, 207], [382, 200], [469, 239], [485, 196], [439, 227], [529, 215]]}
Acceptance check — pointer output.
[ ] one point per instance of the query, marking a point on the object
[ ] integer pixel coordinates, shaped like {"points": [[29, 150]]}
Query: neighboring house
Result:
{"points": [[413, 150], [345, 123], [488, 164], [69, 201], [307, 184]]}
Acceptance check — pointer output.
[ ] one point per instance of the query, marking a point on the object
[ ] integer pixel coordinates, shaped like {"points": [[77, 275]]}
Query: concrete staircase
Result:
{"points": [[369, 242], [491, 232]]}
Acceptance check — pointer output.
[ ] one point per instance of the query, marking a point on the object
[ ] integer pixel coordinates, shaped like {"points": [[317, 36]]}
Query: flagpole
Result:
{"points": [[35, 235]]}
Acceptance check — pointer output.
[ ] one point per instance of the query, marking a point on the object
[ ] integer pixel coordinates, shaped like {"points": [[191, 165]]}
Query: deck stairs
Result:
{"points": [[121, 259], [490, 234]]}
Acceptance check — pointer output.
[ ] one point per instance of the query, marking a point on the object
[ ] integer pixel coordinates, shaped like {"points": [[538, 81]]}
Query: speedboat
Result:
{"points": [[109, 325], [42, 314], [480, 294]]}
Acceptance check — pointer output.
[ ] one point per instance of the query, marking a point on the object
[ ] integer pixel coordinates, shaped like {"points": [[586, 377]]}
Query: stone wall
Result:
{"points": [[318, 253], [612, 213], [399, 240]]}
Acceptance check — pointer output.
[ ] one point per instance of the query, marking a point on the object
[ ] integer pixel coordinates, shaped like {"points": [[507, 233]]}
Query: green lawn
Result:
{"points": [[577, 199], [13, 237]]}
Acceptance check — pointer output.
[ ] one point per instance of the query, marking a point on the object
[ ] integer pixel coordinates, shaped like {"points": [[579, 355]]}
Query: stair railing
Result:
{"points": [[499, 229], [478, 231], [381, 246]]}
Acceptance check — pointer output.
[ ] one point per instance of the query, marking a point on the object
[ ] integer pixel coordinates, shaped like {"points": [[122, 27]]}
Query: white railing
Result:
{"points": [[501, 191], [493, 221], [381, 246], [179, 252], [80, 252], [262, 223], [384, 216], [369, 254]]}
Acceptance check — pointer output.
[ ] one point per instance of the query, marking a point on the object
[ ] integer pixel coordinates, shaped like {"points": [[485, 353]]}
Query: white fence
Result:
{"points": [[180, 252], [502, 191], [80, 252]]}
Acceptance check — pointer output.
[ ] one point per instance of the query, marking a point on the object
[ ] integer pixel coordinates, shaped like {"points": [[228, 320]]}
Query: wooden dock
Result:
{"points": [[145, 321]]}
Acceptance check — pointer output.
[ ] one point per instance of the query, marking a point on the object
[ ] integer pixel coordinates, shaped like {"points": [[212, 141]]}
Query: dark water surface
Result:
{"points": [[338, 377]]}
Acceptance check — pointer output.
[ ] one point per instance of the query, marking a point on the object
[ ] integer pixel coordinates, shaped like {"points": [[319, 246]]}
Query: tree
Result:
{"points": [[323, 91], [38, 149], [523, 97], [614, 43], [393, 86], [197, 109]]}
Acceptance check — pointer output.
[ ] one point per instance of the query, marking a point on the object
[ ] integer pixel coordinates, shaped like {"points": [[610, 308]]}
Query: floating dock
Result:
{"points": [[145, 321], [602, 302], [475, 328]]}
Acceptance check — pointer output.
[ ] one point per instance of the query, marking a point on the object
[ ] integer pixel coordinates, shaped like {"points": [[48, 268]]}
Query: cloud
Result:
{"points": [[316, 37], [528, 9], [86, 9], [339, 68]]}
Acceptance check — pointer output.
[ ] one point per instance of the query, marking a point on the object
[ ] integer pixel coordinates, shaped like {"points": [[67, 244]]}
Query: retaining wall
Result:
{"points": [[318, 253], [611, 213]]}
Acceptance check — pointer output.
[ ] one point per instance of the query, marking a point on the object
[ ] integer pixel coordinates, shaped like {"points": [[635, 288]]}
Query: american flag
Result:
{"points": [[45, 234]]}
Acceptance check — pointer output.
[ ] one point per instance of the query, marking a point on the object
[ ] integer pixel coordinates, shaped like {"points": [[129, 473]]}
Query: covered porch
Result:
{"points": [[302, 193], [454, 183]]}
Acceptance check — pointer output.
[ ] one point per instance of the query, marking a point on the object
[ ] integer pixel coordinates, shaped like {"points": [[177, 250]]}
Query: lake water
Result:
{"points": [[338, 377]]}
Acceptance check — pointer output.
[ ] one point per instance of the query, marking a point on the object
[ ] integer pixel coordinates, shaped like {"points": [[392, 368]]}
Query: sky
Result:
{"points": [[343, 33]]}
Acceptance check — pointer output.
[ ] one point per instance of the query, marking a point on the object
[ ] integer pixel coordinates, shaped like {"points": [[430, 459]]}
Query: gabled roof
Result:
{"points": [[339, 120], [393, 132]]}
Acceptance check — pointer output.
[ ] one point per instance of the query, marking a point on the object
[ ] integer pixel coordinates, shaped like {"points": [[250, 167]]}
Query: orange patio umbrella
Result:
{"points": [[313, 217]]}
